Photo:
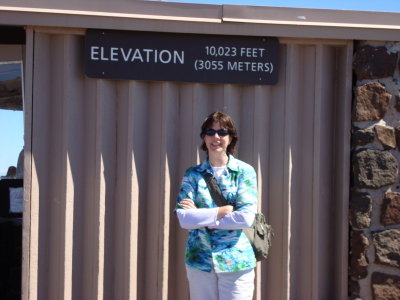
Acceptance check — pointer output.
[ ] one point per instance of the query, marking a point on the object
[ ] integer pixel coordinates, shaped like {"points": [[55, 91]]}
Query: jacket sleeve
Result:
{"points": [[187, 189], [193, 218], [238, 219], [197, 218]]}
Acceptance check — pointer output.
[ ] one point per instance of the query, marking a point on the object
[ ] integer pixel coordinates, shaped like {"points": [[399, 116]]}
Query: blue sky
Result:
{"points": [[11, 122], [11, 137]]}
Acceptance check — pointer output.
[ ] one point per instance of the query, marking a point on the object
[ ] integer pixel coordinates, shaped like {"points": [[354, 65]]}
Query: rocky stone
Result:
{"points": [[374, 62], [397, 135], [371, 101], [358, 265], [360, 210], [385, 287], [390, 213], [387, 247], [374, 169], [362, 137], [386, 136]]}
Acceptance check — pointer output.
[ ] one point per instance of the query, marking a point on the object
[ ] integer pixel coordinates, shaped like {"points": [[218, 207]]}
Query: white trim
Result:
{"points": [[107, 14], [303, 23]]}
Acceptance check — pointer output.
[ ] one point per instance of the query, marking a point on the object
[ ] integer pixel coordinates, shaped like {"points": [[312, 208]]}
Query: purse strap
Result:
{"points": [[220, 200], [214, 189]]}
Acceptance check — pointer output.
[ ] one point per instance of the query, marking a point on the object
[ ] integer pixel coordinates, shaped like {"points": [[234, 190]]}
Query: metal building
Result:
{"points": [[104, 157]]}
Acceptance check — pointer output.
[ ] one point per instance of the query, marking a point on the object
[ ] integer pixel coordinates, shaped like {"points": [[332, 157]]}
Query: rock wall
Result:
{"points": [[374, 215]]}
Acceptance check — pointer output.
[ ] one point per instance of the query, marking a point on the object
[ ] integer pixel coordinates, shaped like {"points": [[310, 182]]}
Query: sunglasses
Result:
{"points": [[221, 132]]}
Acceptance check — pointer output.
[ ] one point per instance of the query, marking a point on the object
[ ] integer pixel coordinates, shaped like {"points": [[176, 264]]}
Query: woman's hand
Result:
{"points": [[187, 204], [224, 210]]}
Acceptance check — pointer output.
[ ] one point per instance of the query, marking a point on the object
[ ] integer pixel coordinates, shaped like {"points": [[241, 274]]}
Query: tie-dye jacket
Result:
{"points": [[225, 250]]}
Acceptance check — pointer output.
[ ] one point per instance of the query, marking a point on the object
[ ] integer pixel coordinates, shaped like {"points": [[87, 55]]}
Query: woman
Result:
{"points": [[219, 257]]}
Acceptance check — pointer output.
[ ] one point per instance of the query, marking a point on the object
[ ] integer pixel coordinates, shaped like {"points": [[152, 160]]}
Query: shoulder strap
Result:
{"points": [[215, 191]]}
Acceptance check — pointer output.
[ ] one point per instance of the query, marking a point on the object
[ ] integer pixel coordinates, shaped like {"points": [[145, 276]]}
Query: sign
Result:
{"points": [[181, 57]]}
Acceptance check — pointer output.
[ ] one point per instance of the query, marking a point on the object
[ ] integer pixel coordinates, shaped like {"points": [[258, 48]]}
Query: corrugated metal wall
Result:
{"points": [[107, 158]]}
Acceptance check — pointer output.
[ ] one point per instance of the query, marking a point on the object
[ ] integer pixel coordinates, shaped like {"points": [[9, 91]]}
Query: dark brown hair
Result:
{"points": [[226, 122]]}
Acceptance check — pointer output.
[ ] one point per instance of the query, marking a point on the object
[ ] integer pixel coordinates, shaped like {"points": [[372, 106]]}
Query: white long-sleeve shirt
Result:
{"points": [[207, 217]]}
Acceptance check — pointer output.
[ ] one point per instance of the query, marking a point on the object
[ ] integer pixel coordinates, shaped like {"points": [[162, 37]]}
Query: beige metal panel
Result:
{"points": [[311, 17], [214, 13], [342, 175], [300, 136], [132, 120], [152, 205], [56, 212], [91, 272], [108, 157], [30, 218], [11, 52], [40, 174], [124, 9], [274, 186], [127, 197], [325, 90], [199, 18], [106, 177]]}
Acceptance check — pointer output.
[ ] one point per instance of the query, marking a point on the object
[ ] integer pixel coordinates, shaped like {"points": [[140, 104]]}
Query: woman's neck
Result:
{"points": [[218, 160]]}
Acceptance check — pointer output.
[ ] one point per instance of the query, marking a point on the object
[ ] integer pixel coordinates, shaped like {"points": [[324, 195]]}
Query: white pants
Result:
{"points": [[220, 286]]}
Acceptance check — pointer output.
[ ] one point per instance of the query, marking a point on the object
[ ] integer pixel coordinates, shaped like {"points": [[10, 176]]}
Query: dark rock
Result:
{"points": [[354, 288], [387, 247], [390, 214], [397, 102], [374, 62], [362, 137], [385, 286], [360, 210], [371, 101], [374, 169], [397, 134], [358, 265], [386, 136]]}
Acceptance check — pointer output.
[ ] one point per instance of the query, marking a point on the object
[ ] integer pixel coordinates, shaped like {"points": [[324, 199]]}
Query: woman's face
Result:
{"points": [[217, 143]]}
